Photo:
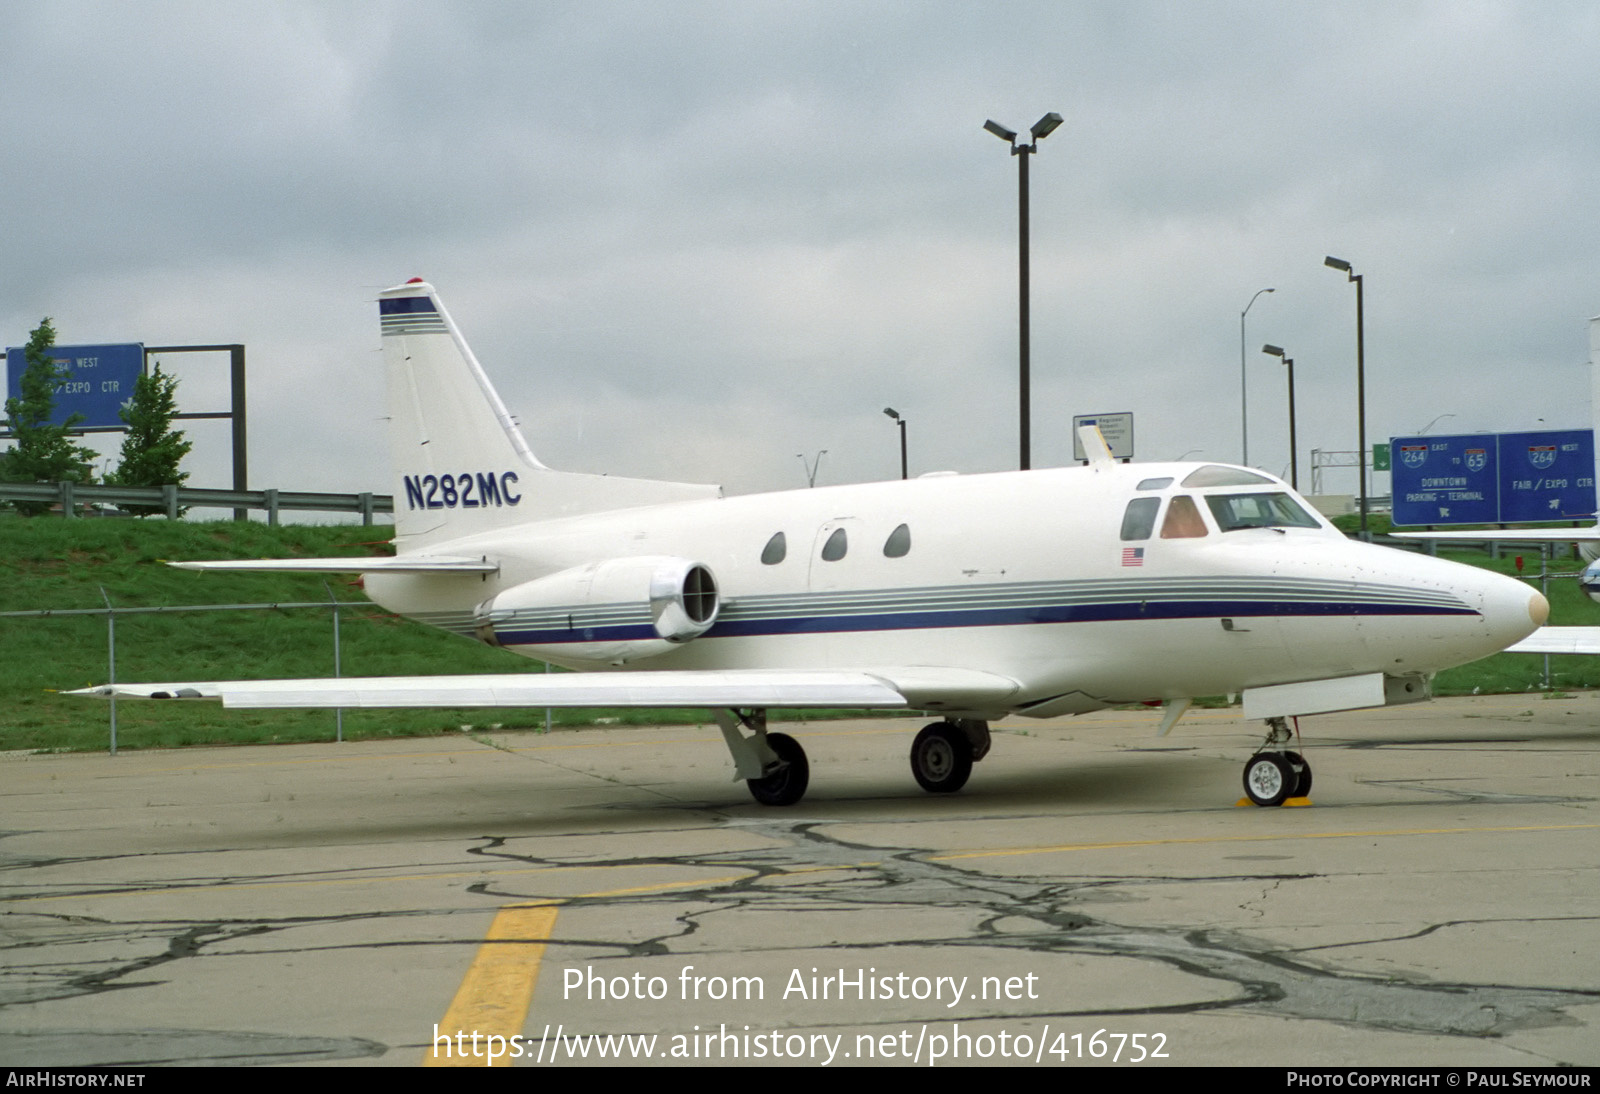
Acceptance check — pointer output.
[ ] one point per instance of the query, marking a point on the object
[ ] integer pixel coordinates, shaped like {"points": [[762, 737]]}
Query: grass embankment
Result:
{"points": [[1516, 672], [48, 562]]}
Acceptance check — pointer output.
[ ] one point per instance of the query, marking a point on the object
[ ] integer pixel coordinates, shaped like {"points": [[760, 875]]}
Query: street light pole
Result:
{"points": [[1294, 459], [811, 466], [1244, 405], [1361, 380], [1040, 130], [901, 422]]}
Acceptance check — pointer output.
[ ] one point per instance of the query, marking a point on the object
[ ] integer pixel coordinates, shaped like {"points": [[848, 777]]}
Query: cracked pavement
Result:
{"points": [[321, 904]]}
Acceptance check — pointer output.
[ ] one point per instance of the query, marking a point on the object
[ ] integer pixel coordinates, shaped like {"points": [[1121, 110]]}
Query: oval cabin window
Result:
{"points": [[899, 542]]}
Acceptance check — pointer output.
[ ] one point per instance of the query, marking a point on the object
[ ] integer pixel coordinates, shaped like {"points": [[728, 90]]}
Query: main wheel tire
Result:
{"points": [[1302, 786], [941, 758], [1268, 778], [787, 784]]}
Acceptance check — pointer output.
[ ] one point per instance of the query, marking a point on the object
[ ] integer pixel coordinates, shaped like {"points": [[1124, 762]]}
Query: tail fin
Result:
{"points": [[461, 464]]}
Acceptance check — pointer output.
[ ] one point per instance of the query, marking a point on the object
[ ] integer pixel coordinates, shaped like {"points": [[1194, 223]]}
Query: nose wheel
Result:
{"points": [[1272, 777]]}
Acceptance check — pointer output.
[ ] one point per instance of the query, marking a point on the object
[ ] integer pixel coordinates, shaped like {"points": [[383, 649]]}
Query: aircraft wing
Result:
{"points": [[1559, 640], [371, 564], [566, 689], [915, 688]]}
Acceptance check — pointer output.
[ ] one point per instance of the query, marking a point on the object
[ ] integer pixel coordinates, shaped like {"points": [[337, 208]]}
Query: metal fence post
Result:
{"points": [[338, 712], [111, 658], [1544, 588]]}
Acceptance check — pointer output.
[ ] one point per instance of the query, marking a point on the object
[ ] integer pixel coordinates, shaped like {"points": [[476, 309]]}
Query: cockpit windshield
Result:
{"points": [[1235, 511], [1216, 475]]}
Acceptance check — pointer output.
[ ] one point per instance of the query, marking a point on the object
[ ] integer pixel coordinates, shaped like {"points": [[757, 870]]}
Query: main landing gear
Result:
{"points": [[944, 752], [1270, 776], [774, 766]]}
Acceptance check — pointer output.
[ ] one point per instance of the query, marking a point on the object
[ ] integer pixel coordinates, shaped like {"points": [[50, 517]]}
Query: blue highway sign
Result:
{"points": [[1494, 478], [100, 379]]}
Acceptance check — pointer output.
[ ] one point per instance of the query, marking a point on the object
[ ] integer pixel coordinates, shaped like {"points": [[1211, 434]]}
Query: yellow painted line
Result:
{"points": [[1112, 845], [495, 994], [656, 887], [453, 875]]}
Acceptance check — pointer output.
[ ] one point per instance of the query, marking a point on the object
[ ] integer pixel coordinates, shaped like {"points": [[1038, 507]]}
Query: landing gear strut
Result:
{"points": [[944, 752], [773, 765], [1271, 776]]}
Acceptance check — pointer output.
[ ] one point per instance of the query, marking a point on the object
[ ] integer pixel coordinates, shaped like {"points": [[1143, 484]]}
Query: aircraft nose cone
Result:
{"points": [[1512, 611], [1538, 609]]}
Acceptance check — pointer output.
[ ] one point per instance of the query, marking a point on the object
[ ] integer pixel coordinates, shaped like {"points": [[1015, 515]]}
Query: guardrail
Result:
{"points": [[1495, 548], [71, 495]]}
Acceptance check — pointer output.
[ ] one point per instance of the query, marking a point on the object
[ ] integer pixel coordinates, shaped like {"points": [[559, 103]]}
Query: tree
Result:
{"points": [[152, 449], [43, 452]]}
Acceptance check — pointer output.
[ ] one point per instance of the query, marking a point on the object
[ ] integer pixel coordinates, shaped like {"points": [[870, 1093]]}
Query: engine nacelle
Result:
{"points": [[1589, 580], [611, 612]]}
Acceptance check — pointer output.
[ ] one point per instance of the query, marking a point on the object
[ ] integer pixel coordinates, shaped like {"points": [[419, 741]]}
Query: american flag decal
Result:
{"points": [[1133, 556]]}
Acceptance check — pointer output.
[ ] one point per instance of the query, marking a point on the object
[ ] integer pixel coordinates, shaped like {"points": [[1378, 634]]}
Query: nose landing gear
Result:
{"points": [[1272, 777]]}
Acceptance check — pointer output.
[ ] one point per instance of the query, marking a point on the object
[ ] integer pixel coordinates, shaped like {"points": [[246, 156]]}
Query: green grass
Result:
{"points": [[1514, 672], [48, 562]]}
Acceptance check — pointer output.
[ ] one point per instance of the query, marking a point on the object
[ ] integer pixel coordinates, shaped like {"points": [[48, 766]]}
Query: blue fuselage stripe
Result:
{"points": [[995, 617]]}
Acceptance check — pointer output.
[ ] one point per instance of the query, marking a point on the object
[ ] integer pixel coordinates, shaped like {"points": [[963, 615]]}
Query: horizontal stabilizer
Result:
{"points": [[738, 688], [372, 564], [1559, 640]]}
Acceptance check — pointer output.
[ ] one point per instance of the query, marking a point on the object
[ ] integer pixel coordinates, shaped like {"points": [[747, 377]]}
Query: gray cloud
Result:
{"points": [[693, 240]]}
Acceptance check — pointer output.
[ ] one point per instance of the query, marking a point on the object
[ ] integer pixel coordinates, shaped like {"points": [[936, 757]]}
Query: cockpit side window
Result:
{"points": [[1183, 519], [1235, 511], [1139, 519]]}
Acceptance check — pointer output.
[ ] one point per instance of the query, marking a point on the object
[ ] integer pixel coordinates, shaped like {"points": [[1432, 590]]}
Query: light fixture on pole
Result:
{"points": [[1244, 406], [901, 422], [811, 465], [1040, 130], [1361, 380], [1294, 462]]}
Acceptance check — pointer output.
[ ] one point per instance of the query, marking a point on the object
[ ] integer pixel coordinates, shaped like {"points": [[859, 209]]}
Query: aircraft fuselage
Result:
{"points": [[1031, 576]]}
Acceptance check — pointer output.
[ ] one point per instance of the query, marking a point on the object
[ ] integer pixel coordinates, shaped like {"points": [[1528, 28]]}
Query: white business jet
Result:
{"points": [[1037, 593]]}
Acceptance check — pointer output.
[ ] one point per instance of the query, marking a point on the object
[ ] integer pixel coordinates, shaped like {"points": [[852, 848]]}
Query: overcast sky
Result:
{"points": [[693, 240]]}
